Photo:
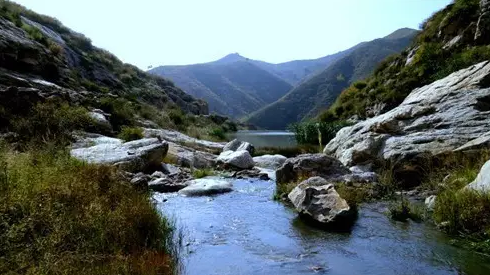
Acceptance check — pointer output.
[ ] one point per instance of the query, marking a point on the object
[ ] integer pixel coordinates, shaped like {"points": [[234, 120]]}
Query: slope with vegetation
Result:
{"points": [[59, 215], [452, 39], [321, 90]]}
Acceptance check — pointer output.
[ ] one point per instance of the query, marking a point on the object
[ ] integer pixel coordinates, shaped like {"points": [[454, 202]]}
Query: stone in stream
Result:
{"points": [[430, 202], [239, 159], [317, 199], [236, 145], [206, 186], [269, 161], [310, 165]]}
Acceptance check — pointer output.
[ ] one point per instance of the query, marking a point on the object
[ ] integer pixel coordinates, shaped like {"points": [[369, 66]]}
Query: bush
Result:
{"points": [[177, 117], [130, 133], [218, 133], [403, 210], [316, 132], [202, 173], [61, 216], [51, 122], [121, 110], [288, 152]]}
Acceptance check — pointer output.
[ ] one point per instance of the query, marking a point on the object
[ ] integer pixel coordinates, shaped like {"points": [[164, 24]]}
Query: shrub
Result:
{"points": [[121, 110], [288, 151], [51, 122], [61, 216], [130, 133], [316, 132], [218, 133], [177, 117], [403, 210], [202, 173]]}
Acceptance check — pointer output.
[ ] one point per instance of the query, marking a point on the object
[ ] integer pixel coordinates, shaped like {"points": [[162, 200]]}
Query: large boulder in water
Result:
{"points": [[316, 199], [236, 145], [269, 161], [134, 156], [434, 119], [206, 186], [482, 181], [239, 159], [310, 165]]}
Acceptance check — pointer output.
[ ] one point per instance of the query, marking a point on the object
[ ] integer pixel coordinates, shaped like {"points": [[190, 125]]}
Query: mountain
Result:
{"points": [[232, 86], [318, 92], [454, 38]]}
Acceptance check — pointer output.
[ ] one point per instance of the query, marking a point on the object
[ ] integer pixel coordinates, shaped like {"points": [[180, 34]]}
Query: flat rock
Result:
{"points": [[206, 186]]}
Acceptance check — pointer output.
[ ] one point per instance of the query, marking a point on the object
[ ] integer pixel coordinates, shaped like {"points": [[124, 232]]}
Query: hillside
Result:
{"points": [[232, 85], [318, 92], [454, 38]]}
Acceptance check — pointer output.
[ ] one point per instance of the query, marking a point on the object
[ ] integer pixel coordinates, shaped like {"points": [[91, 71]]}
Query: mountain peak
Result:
{"points": [[401, 33], [232, 57]]}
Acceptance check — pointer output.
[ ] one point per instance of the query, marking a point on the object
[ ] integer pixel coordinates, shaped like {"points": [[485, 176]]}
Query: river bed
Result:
{"points": [[246, 232]]}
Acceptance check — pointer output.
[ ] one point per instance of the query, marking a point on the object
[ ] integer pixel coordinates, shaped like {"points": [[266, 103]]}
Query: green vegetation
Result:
{"points": [[61, 216], [319, 133], [393, 80], [218, 133], [131, 133], [288, 152], [202, 173], [319, 92]]}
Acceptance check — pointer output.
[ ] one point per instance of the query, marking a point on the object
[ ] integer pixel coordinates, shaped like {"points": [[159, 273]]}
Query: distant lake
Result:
{"points": [[283, 139]]}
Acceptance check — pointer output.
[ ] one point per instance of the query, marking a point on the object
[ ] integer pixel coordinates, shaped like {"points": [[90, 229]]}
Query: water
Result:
{"points": [[246, 232], [260, 139]]}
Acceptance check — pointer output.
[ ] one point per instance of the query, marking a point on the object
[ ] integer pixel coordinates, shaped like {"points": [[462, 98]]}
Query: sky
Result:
{"points": [[179, 32]]}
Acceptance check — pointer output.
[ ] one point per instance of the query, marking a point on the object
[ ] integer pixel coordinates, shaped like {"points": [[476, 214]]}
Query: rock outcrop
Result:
{"points": [[269, 161], [433, 119], [188, 157], [185, 140], [482, 181], [236, 159], [310, 165], [206, 186], [236, 145], [134, 156], [315, 198]]}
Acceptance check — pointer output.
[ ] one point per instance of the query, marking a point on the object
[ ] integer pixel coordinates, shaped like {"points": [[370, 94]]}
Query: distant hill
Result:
{"points": [[232, 86], [321, 90]]}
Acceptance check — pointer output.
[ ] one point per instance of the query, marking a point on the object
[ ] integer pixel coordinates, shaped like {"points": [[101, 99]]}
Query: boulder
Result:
{"points": [[430, 202], [187, 157], [236, 145], [206, 186], [310, 165], [166, 185], [140, 181], [254, 173], [482, 181], [239, 159], [100, 118], [316, 199], [434, 119], [185, 140], [269, 161], [134, 156]]}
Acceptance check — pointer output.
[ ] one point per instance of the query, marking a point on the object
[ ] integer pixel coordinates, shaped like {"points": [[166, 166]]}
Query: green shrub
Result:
{"points": [[130, 133], [218, 133], [177, 117], [52, 122], [61, 216], [202, 173], [316, 132], [288, 151], [121, 110]]}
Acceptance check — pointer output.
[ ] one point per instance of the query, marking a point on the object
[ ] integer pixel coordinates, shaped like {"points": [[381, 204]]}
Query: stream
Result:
{"points": [[246, 232]]}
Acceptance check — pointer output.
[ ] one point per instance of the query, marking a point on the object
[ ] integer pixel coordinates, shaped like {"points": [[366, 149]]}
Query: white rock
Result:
{"points": [[482, 181], [206, 186], [269, 161], [430, 202], [239, 159]]}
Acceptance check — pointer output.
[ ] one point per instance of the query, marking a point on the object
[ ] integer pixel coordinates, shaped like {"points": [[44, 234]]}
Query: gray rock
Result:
{"points": [[206, 186], [157, 175], [430, 202], [310, 165], [317, 199], [236, 145], [269, 161], [166, 185], [170, 169], [188, 157], [433, 119], [133, 156], [254, 173], [239, 159], [140, 181], [482, 181], [184, 140]]}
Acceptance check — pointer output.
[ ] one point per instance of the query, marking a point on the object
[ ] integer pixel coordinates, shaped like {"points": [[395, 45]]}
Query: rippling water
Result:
{"points": [[246, 232]]}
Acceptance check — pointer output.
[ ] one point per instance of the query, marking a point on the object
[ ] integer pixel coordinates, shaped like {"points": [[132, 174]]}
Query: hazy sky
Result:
{"points": [[163, 32]]}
